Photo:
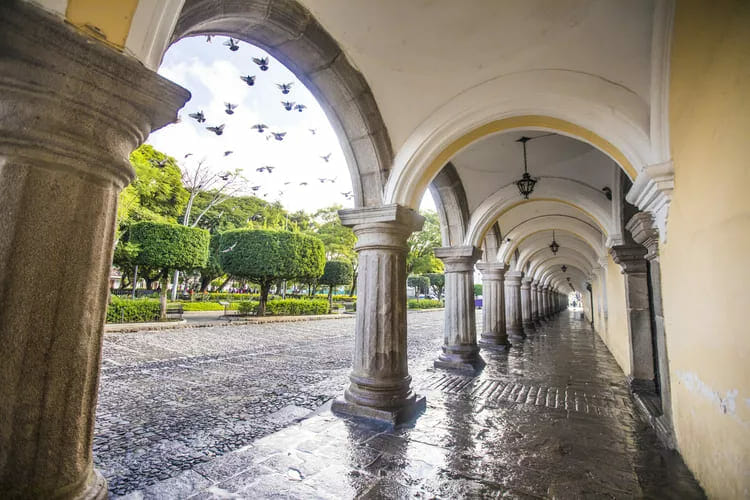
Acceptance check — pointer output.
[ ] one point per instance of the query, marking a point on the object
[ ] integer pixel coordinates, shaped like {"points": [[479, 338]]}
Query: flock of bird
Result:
{"points": [[229, 108]]}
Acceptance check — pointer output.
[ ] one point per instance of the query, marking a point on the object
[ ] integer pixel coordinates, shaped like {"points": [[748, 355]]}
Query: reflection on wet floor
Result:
{"points": [[552, 418]]}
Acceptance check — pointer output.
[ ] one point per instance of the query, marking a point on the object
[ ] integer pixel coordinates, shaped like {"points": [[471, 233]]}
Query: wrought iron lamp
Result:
{"points": [[554, 246], [526, 183], [564, 268]]}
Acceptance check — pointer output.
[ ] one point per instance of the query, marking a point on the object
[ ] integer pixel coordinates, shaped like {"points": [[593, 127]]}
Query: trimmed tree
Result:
{"points": [[421, 284], [264, 256], [212, 269], [167, 248], [437, 283], [336, 272]]}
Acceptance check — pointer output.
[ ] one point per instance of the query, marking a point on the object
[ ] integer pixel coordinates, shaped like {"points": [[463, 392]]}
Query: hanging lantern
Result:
{"points": [[526, 183], [554, 246], [564, 268]]}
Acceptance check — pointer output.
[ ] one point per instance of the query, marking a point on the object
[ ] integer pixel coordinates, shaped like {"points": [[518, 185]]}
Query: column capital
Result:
{"points": [[492, 271], [88, 104], [458, 259], [642, 228], [382, 228], [631, 258], [513, 277]]}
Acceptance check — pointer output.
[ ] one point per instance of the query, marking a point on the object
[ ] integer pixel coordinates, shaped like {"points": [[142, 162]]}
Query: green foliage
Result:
{"points": [[336, 272], [286, 307], [421, 258], [206, 306], [437, 283], [132, 311], [338, 240], [169, 247], [156, 193], [212, 269], [420, 283], [423, 304], [264, 256], [477, 289]]}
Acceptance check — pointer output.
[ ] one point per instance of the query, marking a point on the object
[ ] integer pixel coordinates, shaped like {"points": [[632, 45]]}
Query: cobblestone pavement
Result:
{"points": [[172, 399], [550, 419]]}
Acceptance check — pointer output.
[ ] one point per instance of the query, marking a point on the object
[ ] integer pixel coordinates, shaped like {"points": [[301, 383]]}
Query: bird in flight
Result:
{"points": [[256, 217], [208, 38], [217, 130], [230, 248], [261, 62], [227, 153], [230, 108], [288, 105], [303, 184], [279, 136], [199, 116], [348, 195], [232, 44], [326, 157], [160, 163], [285, 87], [300, 107], [188, 154], [225, 177], [287, 183], [255, 188], [267, 168], [260, 127], [250, 80], [312, 131], [322, 179]]}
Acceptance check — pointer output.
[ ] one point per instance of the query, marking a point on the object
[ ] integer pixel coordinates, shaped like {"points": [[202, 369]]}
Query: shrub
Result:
{"points": [[423, 304], [419, 283], [336, 272], [132, 311], [286, 307]]}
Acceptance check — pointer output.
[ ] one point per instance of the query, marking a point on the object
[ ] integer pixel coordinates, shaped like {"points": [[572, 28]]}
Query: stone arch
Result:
{"points": [[288, 31], [538, 242], [579, 105], [452, 206]]}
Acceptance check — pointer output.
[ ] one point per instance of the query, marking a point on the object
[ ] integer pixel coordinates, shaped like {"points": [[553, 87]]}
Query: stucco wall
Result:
{"points": [[615, 335], [705, 273]]}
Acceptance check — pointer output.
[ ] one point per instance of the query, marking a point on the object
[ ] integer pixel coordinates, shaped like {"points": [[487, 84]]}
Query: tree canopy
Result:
{"points": [[421, 257], [336, 272]]}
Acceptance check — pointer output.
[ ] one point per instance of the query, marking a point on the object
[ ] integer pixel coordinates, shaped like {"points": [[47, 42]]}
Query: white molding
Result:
{"points": [[652, 192], [151, 30], [661, 43]]}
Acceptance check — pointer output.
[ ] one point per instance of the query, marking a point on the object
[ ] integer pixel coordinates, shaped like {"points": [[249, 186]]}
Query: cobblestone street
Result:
{"points": [[172, 399], [182, 414]]}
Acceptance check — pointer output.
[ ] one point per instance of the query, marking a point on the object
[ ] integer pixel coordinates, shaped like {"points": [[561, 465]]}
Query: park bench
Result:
{"points": [[174, 311]]}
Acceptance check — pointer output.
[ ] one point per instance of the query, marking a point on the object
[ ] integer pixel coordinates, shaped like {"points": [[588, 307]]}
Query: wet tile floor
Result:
{"points": [[552, 418]]}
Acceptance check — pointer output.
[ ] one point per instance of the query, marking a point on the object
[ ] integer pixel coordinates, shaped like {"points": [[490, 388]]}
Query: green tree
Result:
{"points": [[477, 289], [265, 256], [336, 272], [437, 283], [156, 193], [212, 269], [168, 247], [338, 239], [421, 284], [421, 258]]}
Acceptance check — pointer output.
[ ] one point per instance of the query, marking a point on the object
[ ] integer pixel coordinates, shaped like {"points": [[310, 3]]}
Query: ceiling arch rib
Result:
{"points": [[539, 242], [547, 264]]}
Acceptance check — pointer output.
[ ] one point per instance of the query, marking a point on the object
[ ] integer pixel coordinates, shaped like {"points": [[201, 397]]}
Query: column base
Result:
{"points": [[516, 333], [411, 408], [97, 488], [464, 358], [494, 342]]}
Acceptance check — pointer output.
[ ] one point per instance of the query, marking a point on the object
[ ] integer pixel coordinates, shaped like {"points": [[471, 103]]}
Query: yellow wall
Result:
{"points": [[705, 277], [107, 20], [616, 334]]}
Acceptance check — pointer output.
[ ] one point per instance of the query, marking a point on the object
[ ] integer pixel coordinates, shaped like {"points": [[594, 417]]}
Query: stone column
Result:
{"points": [[634, 268], [494, 335], [460, 350], [71, 111], [545, 300], [528, 324], [539, 303], [513, 318], [380, 384], [534, 303]]}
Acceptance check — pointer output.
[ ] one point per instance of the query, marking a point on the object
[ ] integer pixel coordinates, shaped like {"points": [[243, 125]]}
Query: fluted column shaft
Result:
{"points": [[545, 302], [71, 111], [534, 303], [494, 335], [513, 317], [528, 323], [380, 384], [460, 350]]}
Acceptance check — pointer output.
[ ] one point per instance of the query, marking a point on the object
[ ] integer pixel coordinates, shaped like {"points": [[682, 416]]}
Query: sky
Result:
{"points": [[211, 72]]}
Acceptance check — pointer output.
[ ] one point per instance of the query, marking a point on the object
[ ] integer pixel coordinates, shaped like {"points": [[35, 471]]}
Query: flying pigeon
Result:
{"points": [[262, 62], [232, 44], [199, 116], [255, 188], [300, 107], [284, 87], [303, 184], [160, 163], [279, 136], [217, 130], [348, 195], [267, 168], [322, 179], [227, 153], [230, 248], [288, 105], [256, 217], [260, 127], [312, 131], [326, 157], [225, 177], [188, 154], [250, 80], [230, 108]]}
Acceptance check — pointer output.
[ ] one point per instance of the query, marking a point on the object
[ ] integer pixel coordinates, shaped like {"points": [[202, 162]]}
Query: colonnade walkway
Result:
{"points": [[550, 418]]}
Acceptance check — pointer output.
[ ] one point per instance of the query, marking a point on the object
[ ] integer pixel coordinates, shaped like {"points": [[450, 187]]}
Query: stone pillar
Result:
{"points": [[539, 303], [513, 318], [545, 299], [494, 335], [528, 324], [460, 350], [380, 384], [534, 303], [634, 268], [71, 111]]}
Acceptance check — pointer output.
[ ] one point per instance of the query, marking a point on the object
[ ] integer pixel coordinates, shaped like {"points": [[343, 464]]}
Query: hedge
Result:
{"points": [[286, 307], [214, 296], [132, 311], [424, 304], [206, 306]]}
